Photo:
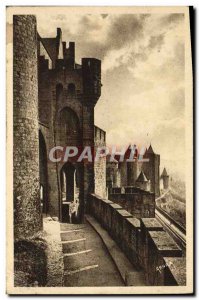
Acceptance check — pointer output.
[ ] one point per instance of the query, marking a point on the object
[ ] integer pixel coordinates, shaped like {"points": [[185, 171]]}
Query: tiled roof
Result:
{"points": [[50, 44]]}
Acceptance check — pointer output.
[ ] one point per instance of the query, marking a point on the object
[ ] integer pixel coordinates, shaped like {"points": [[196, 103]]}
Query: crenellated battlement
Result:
{"points": [[69, 54], [100, 136], [54, 56]]}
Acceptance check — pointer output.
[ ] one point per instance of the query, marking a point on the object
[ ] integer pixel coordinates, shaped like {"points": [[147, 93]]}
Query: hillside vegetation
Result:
{"points": [[173, 201]]}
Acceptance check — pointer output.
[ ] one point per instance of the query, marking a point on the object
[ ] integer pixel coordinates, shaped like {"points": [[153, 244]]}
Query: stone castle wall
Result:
{"points": [[140, 203], [27, 210]]}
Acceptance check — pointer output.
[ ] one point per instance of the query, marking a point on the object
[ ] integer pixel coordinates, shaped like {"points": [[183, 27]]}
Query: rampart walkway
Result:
{"points": [[86, 259]]}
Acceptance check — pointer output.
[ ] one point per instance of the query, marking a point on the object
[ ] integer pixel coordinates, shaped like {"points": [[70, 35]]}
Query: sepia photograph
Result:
{"points": [[99, 150]]}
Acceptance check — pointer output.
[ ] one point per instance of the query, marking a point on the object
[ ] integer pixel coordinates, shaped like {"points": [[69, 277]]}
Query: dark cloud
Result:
{"points": [[125, 29], [122, 31], [88, 24], [171, 18], [135, 58], [156, 41]]}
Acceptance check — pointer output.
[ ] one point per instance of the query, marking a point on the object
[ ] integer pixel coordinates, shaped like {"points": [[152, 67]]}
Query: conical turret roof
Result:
{"points": [[164, 173], [142, 177], [150, 150]]}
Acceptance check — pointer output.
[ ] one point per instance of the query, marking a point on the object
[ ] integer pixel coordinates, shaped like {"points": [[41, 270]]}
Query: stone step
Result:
{"points": [[77, 261], [72, 235], [68, 226], [81, 278], [74, 246], [93, 276]]}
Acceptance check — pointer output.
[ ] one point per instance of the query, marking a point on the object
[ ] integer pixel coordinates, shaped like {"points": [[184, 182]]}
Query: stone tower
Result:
{"points": [[129, 169], [165, 178], [68, 93], [27, 210], [151, 170], [112, 173]]}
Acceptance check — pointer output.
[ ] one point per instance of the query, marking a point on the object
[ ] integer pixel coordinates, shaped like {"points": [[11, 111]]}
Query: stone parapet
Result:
{"points": [[144, 241]]}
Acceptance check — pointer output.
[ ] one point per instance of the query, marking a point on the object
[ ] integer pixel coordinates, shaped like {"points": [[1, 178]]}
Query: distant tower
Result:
{"points": [[132, 166], [165, 178], [142, 182], [112, 173], [129, 169], [151, 169]]}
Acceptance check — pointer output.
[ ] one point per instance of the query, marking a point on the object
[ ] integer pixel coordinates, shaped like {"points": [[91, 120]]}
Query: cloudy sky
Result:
{"points": [[142, 55]]}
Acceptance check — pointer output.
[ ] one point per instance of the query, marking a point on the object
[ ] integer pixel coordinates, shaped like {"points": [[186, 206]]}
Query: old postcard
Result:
{"points": [[99, 150]]}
